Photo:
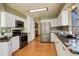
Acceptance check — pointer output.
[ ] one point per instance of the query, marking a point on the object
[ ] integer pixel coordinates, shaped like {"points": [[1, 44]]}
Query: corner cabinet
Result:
{"points": [[7, 48], [7, 19]]}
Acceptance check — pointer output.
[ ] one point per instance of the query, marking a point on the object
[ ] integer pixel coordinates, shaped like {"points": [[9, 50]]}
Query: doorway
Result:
{"points": [[36, 29]]}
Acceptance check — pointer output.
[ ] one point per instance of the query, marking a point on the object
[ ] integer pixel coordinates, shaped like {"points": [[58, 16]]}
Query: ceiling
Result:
{"points": [[53, 8]]}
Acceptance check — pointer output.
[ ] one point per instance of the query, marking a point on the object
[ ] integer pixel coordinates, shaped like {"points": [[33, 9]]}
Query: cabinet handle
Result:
{"points": [[63, 48]]}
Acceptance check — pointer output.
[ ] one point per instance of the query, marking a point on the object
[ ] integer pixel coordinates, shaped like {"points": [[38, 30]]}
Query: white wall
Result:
{"points": [[46, 20]]}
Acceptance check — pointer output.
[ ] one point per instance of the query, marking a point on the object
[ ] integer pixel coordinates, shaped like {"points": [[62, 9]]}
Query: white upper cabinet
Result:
{"points": [[61, 20], [64, 18], [0, 18], [28, 23], [7, 20], [53, 22], [78, 10]]}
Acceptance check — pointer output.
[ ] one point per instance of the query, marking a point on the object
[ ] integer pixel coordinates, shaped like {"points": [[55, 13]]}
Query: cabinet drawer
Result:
{"points": [[62, 50]]}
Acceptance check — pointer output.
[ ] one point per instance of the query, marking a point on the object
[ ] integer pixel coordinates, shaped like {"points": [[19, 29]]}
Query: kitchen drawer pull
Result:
{"points": [[63, 48]]}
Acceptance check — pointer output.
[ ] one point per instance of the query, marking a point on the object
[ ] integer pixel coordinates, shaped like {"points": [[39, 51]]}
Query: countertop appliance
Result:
{"points": [[45, 32]]}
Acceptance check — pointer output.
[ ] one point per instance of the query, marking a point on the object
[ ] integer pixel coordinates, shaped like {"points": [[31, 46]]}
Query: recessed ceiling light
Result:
{"points": [[37, 10]]}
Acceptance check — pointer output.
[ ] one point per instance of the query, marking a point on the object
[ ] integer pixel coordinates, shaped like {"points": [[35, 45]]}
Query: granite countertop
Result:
{"points": [[65, 42], [5, 39]]}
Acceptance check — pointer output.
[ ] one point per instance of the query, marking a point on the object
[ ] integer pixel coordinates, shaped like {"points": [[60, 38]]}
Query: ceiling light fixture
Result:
{"points": [[73, 7], [37, 10]]}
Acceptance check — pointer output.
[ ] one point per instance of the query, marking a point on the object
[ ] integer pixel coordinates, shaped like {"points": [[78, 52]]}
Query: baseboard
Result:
{"points": [[55, 48], [31, 41], [15, 52]]}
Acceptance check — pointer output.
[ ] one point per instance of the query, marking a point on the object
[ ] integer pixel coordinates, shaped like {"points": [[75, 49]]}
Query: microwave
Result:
{"points": [[19, 24]]}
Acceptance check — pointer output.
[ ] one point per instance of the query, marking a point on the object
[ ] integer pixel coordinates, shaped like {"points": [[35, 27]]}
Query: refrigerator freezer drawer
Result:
{"points": [[45, 38]]}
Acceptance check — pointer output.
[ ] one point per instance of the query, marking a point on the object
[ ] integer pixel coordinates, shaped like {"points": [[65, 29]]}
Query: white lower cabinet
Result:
{"points": [[7, 48], [53, 37], [14, 42], [4, 49], [61, 49]]}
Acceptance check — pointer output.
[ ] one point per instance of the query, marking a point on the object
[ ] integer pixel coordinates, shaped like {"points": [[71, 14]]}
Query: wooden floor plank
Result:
{"points": [[36, 48]]}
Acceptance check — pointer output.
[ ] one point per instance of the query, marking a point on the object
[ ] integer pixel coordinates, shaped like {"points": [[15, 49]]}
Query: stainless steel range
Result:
{"points": [[23, 37]]}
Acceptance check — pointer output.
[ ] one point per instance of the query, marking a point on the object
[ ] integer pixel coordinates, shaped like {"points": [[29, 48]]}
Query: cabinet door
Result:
{"points": [[64, 18], [59, 20], [0, 18], [53, 37], [78, 13], [15, 43], [4, 51], [62, 50], [10, 47], [10, 20], [7, 20], [25, 26], [28, 25], [54, 23]]}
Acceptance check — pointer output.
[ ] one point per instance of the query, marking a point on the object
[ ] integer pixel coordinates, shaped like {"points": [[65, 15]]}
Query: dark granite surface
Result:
{"points": [[5, 39], [65, 41]]}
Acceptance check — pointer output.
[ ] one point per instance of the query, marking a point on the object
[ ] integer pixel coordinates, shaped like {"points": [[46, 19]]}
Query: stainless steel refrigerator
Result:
{"points": [[45, 32]]}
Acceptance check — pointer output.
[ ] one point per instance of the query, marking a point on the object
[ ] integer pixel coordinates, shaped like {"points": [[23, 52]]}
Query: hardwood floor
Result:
{"points": [[36, 48]]}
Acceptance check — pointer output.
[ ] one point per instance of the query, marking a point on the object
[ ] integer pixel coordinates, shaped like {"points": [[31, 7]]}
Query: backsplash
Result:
{"points": [[4, 30], [61, 28]]}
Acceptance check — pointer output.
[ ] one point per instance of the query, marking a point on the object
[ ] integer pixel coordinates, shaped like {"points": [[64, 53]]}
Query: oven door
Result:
{"points": [[23, 40]]}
